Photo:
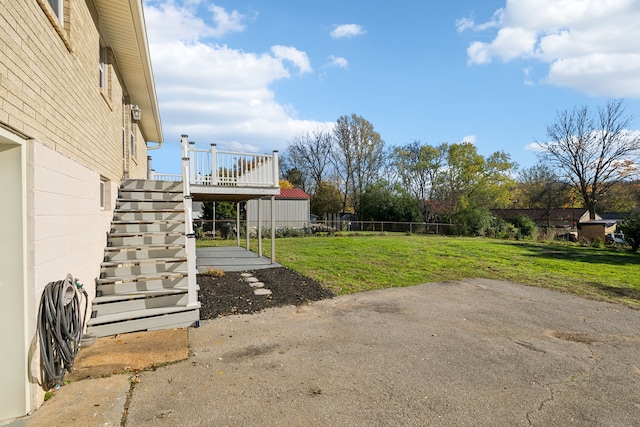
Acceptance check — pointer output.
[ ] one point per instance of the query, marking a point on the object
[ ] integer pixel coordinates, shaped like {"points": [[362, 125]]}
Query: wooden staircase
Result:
{"points": [[144, 277]]}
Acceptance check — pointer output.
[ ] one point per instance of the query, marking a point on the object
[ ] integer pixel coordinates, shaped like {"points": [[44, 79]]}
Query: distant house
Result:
{"points": [[596, 229], [292, 210]]}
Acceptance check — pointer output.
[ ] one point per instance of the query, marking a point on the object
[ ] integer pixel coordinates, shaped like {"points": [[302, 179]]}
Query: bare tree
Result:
{"points": [[310, 153], [418, 167], [358, 156], [594, 153]]}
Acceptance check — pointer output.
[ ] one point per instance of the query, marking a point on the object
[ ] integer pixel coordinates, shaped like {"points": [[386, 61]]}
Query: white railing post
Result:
{"points": [[214, 165], [193, 165], [276, 169], [190, 237]]}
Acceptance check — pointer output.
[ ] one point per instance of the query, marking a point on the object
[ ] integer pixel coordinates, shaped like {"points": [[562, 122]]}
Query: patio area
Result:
{"points": [[231, 258]]}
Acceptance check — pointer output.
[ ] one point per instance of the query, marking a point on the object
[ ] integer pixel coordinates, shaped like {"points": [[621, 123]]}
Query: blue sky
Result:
{"points": [[250, 75]]}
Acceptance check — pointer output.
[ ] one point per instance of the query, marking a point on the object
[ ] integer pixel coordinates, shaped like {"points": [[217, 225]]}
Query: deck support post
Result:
{"points": [[273, 229], [259, 227]]}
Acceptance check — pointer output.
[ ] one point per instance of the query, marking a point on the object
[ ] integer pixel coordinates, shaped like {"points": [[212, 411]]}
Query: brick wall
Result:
{"points": [[49, 86]]}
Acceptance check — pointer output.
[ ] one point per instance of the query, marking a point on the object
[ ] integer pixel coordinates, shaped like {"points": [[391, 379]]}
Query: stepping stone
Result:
{"points": [[256, 284], [262, 291], [246, 275], [251, 279]]}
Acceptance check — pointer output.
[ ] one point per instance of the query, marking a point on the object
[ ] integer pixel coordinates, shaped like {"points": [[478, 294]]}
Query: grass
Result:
{"points": [[354, 264]]}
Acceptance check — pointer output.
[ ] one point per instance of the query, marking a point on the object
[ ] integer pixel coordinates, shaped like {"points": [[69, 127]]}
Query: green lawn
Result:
{"points": [[354, 264]]}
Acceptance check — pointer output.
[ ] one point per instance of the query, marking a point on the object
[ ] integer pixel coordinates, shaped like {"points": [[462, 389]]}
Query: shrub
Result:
{"points": [[631, 229], [525, 224]]}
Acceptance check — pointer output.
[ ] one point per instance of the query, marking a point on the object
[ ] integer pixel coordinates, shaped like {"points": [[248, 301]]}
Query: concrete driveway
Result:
{"points": [[471, 353]]}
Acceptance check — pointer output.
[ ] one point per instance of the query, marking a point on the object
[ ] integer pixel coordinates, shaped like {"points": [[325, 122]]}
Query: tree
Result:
{"points": [[631, 229], [326, 200], [383, 201], [469, 181], [592, 152], [418, 167], [539, 187], [310, 155], [358, 156]]}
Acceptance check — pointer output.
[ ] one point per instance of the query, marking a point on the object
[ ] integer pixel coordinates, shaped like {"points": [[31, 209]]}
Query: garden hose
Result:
{"points": [[60, 328]]}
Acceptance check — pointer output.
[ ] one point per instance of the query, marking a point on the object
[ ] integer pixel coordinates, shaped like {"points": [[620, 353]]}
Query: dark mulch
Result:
{"points": [[230, 294]]}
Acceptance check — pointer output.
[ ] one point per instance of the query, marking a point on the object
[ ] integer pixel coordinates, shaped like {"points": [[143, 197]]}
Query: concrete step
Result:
{"points": [[131, 269], [147, 227], [139, 253], [113, 304], [144, 320], [146, 239], [146, 184], [166, 215], [151, 205], [142, 285], [151, 195]]}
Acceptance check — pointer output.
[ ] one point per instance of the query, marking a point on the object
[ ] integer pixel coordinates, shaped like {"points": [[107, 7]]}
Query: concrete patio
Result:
{"points": [[231, 258]]}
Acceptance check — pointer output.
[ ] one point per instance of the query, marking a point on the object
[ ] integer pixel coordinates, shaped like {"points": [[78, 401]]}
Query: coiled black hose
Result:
{"points": [[59, 329]]}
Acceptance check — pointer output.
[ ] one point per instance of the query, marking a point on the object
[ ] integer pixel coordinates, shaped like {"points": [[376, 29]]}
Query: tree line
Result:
{"points": [[589, 161]]}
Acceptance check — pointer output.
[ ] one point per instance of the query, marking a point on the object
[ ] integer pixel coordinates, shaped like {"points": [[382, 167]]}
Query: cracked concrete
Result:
{"points": [[470, 353]]}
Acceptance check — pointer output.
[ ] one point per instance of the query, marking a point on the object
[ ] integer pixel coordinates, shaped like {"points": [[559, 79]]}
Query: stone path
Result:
{"points": [[258, 286]]}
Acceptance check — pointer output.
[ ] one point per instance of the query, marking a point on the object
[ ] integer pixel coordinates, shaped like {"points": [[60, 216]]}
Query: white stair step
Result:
{"points": [[152, 319], [134, 253], [140, 195], [168, 215], [155, 205], [104, 306], [140, 277], [147, 239], [142, 261], [146, 184], [147, 227], [151, 284], [147, 268]]}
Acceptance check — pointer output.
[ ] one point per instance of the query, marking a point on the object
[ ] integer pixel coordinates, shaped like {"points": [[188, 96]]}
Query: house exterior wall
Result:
{"points": [[289, 213], [49, 88], [72, 133]]}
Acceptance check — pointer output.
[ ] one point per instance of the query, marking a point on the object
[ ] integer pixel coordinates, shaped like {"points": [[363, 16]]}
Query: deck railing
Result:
{"points": [[228, 168]]}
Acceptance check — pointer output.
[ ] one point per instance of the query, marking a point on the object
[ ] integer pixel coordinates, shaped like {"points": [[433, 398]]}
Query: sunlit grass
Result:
{"points": [[354, 264]]}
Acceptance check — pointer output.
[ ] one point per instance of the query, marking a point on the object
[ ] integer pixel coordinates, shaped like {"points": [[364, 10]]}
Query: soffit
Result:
{"points": [[123, 26]]}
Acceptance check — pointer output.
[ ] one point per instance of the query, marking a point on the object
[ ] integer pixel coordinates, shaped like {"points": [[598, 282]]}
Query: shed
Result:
{"points": [[292, 209], [596, 229]]}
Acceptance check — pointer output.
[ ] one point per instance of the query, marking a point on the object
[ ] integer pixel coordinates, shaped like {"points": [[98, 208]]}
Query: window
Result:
{"points": [[132, 140], [58, 9], [102, 67], [105, 194]]}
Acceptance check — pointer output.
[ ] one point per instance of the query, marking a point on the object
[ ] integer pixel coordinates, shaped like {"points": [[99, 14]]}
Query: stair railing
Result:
{"points": [[190, 245]]}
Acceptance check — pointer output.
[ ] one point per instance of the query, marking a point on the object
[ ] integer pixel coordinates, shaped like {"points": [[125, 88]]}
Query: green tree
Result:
{"points": [[592, 152], [326, 200], [358, 156], [418, 167], [631, 229], [383, 201], [469, 181]]}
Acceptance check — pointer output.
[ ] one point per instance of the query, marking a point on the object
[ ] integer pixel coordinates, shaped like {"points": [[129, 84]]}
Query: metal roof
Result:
{"points": [[124, 31]]}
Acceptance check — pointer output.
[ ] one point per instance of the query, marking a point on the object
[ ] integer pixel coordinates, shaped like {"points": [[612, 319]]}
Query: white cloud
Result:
{"points": [[215, 93], [298, 58], [470, 139], [347, 30], [336, 61], [591, 46]]}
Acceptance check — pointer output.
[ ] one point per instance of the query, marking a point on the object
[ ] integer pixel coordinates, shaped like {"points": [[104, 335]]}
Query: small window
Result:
{"points": [[132, 140], [103, 195], [103, 70], [58, 9]]}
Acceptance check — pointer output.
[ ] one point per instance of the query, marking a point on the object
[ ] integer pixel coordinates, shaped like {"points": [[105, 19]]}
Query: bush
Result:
{"points": [[525, 224], [631, 229]]}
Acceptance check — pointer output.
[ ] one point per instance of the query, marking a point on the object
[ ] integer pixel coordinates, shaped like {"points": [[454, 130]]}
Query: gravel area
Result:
{"points": [[232, 294]]}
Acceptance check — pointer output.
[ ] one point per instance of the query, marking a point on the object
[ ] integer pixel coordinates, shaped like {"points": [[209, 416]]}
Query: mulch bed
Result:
{"points": [[230, 294]]}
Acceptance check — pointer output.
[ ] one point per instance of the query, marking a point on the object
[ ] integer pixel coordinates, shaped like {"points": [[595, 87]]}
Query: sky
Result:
{"points": [[251, 75]]}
